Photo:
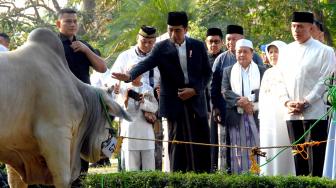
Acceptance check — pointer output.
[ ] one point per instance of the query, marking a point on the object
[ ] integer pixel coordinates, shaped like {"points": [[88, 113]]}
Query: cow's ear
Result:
{"points": [[114, 108]]}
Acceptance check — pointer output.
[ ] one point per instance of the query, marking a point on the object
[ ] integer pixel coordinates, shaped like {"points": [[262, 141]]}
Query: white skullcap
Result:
{"points": [[244, 43]]}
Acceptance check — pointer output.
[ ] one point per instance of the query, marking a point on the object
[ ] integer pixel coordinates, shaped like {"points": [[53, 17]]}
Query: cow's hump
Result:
{"points": [[48, 38]]}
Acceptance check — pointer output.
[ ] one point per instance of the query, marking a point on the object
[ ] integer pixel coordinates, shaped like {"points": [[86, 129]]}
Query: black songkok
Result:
{"points": [[147, 31], [177, 18], [234, 29], [214, 31], [307, 17]]}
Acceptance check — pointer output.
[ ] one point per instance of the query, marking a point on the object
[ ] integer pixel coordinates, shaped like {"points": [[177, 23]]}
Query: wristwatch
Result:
{"points": [[306, 105]]}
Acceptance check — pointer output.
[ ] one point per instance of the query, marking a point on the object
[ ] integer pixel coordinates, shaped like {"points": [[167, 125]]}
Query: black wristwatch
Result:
{"points": [[306, 105]]}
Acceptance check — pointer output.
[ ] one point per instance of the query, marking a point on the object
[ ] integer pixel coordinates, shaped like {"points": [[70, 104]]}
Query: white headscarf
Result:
{"points": [[277, 43]]}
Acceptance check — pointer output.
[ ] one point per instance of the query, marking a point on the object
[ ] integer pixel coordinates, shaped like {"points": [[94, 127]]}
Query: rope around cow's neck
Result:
{"points": [[104, 105]]}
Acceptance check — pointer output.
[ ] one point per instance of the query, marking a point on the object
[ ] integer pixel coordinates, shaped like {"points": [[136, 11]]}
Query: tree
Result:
{"points": [[263, 20], [19, 19], [129, 15]]}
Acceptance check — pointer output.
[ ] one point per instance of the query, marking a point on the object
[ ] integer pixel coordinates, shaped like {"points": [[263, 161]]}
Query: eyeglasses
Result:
{"points": [[214, 41]]}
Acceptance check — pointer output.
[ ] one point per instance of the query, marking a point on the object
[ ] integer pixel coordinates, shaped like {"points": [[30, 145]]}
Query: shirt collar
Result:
{"points": [[183, 45], [139, 52], [309, 41], [245, 70], [215, 55], [64, 38]]}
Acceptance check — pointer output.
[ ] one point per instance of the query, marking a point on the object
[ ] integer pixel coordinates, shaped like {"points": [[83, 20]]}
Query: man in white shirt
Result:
{"points": [[145, 42], [4, 42], [305, 64]]}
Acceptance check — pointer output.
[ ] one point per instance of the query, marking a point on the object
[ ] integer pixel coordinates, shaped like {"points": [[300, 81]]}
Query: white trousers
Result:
{"points": [[134, 159]]}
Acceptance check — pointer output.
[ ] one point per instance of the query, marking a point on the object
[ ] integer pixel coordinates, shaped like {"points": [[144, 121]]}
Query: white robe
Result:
{"points": [[129, 58], [139, 127], [273, 129], [304, 68], [329, 168]]}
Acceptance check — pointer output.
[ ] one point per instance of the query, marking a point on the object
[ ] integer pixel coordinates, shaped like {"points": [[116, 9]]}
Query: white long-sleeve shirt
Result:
{"points": [[129, 58], [304, 67], [139, 127]]}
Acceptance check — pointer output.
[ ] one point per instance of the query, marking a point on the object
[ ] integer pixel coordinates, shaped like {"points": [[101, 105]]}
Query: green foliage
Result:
{"points": [[112, 25], [263, 20], [328, 11], [2, 168], [17, 21], [193, 180], [131, 14]]}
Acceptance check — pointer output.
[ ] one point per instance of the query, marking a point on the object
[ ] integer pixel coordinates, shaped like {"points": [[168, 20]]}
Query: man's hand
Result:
{"points": [[157, 90], [150, 117], [216, 115], [186, 93], [249, 108], [295, 107], [247, 105], [242, 102], [78, 46], [291, 106], [121, 76], [116, 88]]}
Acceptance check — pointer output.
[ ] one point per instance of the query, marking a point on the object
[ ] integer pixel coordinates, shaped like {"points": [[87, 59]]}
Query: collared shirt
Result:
{"points": [[151, 72], [78, 62], [182, 53], [128, 59], [212, 57], [304, 68], [246, 81]]}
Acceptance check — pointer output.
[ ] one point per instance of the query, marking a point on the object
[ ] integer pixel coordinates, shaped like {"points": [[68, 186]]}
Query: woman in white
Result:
{"points": [[329, 168], [273, 129], [138, 153]]}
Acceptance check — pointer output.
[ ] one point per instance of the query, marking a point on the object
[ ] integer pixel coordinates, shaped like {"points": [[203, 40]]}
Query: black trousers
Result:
{"points": [[191, 128], [314, 164], [214, 140]]}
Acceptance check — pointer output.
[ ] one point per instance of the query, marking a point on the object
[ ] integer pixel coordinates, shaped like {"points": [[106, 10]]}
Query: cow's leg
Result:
{"points": [[54, 144], [14, 179]]}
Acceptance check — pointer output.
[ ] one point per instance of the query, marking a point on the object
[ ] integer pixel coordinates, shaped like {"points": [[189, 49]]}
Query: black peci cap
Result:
{"points": [[307, 17], [147, 31], [214, 31], [234, 29]]}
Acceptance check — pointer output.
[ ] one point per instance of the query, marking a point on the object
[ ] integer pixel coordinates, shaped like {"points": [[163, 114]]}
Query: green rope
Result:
{"points": [[332, 99], [294, 143], [102, 102]]}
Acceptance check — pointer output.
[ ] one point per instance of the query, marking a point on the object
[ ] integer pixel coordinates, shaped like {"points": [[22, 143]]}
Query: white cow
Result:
{"points": [[48, 118]]}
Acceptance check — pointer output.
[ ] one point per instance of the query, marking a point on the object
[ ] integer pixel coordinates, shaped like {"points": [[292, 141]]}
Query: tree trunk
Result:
{"points": [[88, 12]]}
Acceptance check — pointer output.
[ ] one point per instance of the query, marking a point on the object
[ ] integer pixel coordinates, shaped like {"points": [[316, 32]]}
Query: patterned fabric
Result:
{"points": [[244, 134]]}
